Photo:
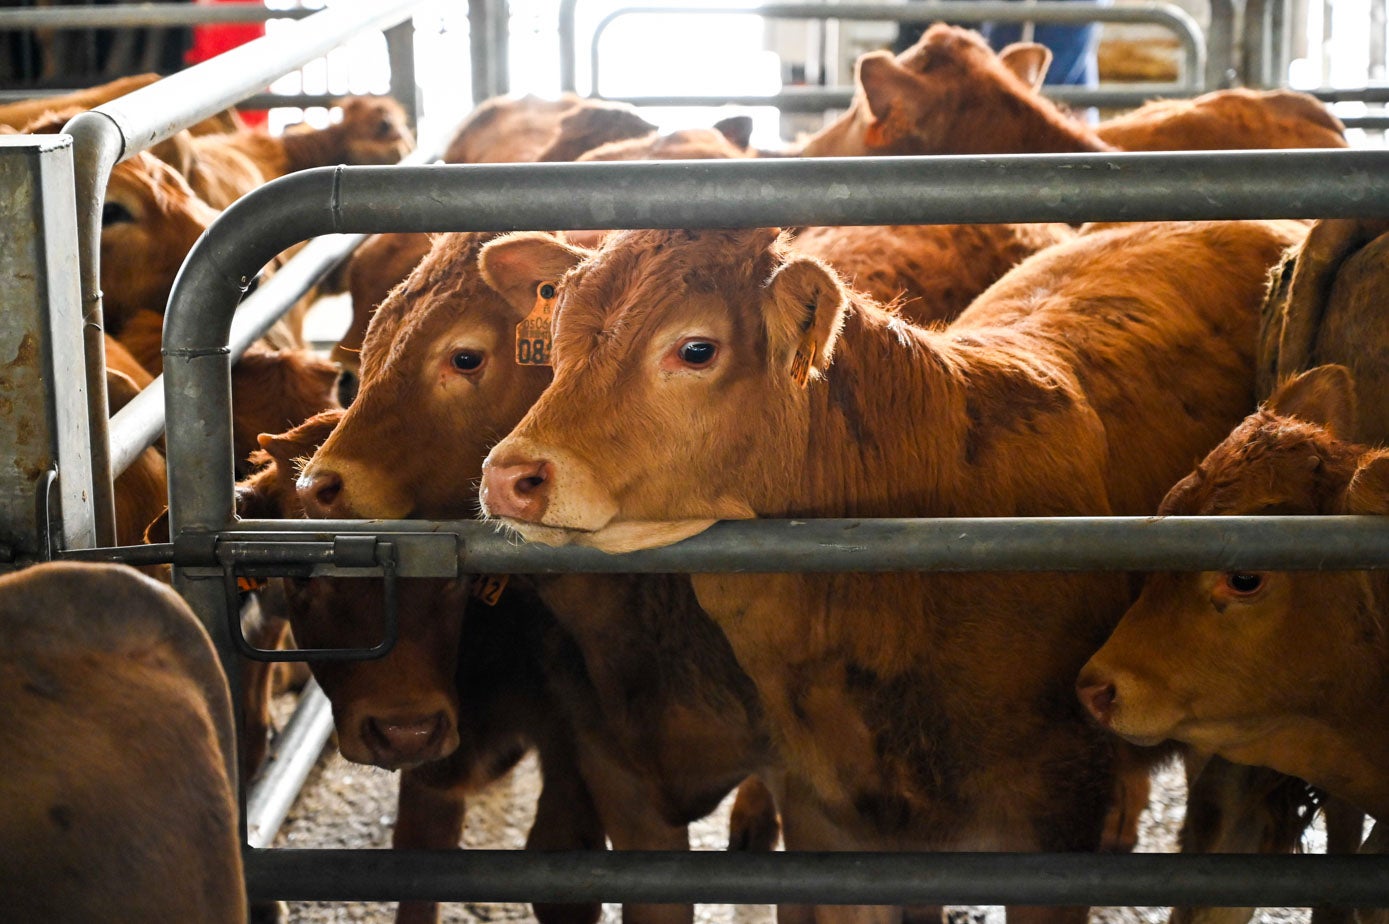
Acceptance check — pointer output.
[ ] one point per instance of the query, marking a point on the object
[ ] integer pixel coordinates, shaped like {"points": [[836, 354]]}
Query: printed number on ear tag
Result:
{"points": [[533, 342], [800, 363], [488, 587]]}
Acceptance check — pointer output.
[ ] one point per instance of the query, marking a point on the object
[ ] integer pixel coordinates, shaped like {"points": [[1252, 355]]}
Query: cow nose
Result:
{"points": [[398, 741], [1098, 697], [321, 493], [520, 490]]}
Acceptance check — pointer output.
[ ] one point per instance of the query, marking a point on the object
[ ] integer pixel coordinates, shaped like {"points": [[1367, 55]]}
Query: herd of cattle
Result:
{"points": [[911, 371]]}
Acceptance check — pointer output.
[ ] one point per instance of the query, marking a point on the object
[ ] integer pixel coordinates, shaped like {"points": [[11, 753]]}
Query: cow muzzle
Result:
{"points": [[399, 741]]}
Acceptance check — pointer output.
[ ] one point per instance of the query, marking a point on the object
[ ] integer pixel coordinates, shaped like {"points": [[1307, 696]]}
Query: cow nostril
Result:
{"points": [[1099, 699], [326, 488], [530, 482]]}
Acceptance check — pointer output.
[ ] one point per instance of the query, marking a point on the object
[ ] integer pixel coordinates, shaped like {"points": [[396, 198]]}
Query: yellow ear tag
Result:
{"points": [[800, 363], [488, 587], [533, 342]]}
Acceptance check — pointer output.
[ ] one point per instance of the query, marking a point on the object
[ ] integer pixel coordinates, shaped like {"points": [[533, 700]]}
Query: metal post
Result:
{"points": [[400, 49], [499, 22], [1220, 46], [43, 412], [479, 47], [568, 46]]}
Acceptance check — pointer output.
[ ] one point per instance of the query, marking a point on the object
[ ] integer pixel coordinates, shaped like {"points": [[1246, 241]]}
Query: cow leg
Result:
{"points": [[1235, 809], [427, 818], [1132, 789], [565, 819], [633, 822], [1345, 828], [753, 824]]}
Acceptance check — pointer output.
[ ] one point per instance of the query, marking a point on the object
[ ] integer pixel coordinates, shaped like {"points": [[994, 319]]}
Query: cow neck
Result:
{"points": [[303, 150], [1038, 127], [889, 426], [266, 153]]}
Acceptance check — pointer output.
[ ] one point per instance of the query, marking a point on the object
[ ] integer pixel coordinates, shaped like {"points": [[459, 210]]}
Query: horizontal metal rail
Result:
{"points": [[1174, 18], [119, 129], [820, 99], [818, 878], [885, 545], [134, 15]]}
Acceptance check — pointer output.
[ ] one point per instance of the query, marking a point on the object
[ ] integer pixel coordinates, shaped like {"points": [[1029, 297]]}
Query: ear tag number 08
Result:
{"points": [[533, 341]]}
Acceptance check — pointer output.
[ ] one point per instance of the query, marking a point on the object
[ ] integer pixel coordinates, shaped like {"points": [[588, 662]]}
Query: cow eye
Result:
{"points": [[1244, 583], [697, 352], [467, 361], [384, 129], [113, 213]]}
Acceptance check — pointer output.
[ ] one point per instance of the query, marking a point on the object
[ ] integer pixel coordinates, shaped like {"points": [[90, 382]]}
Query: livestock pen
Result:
{"points": [[210, 548]]}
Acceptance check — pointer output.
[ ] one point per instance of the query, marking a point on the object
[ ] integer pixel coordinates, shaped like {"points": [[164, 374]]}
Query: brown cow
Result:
{"points": [[678, 725], [720, 376], [465, 692], [951, 94], [500, 130], [1276, 669], [21, 113], [116, 802]]}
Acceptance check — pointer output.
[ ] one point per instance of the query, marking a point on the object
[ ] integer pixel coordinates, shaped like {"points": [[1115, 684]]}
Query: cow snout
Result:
{"points": [[400, 741], [1097, 695], [520, 490], [321, 493]]}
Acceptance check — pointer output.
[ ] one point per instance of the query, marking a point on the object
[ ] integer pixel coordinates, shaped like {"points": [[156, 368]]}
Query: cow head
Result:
{"points": [[934, 98], [373, 131], [439, 385], [1250, 664], [680, 357], [397, 711]]}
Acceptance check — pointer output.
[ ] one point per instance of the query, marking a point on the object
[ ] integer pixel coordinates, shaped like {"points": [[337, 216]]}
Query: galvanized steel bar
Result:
{"points": [[1169, 16], [820, 99], [568, 46], [136, 15], [291, 758], [1220, 46], [886, 545], [818, 878], [400, 50]]}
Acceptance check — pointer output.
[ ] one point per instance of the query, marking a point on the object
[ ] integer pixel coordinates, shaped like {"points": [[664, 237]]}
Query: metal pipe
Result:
{"points": [[136, 15], [818, 878], [400, 50], [287, 766], [818, 99], [1280, 543], [1181, 23], [1220, 46], [568, 46]]}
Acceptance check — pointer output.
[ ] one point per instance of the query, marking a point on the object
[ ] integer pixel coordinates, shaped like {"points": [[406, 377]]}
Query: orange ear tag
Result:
{"points": [[800, 363], [488, 587], [533, 341]]}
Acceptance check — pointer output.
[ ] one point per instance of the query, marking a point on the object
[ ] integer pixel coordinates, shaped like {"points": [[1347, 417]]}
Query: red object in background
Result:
{"points": [[211, 40]]}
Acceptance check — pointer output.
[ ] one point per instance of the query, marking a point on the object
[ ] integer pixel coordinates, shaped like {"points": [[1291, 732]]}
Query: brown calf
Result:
{"points": [[467, 690], [714, 375], [1282, 670], [951, 94], [116, 802], [677, 725]]}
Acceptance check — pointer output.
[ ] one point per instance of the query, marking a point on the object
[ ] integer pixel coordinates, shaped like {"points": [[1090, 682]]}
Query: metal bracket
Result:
{"points": [[348, 551]]}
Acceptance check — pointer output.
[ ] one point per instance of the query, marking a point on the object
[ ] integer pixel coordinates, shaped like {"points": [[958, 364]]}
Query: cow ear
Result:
{"points": [[1324, 395], [1369, 486], [737, 129], [517, 264], [1028, 61], [804, 317], [157, 532], [885, 84]]}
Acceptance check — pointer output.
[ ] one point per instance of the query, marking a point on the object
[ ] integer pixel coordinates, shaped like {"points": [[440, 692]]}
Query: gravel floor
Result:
{"points": [[347, 805]]}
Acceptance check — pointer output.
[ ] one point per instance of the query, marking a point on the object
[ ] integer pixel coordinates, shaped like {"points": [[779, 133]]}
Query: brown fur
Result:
{"points": [[116, 803], [1072, 386], [951, 94], [676, 725], [1321, 633], [1224, 120], [1327, 306], [22, 113], [372, 131]]}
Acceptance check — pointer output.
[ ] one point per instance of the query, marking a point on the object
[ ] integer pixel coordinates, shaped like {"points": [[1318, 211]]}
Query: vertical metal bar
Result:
{"points": [[400, 49], [1220, 46], [1379, 23], [500, 28], [1276, 62], [568, 46], [43, 419], [479, 48]]}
